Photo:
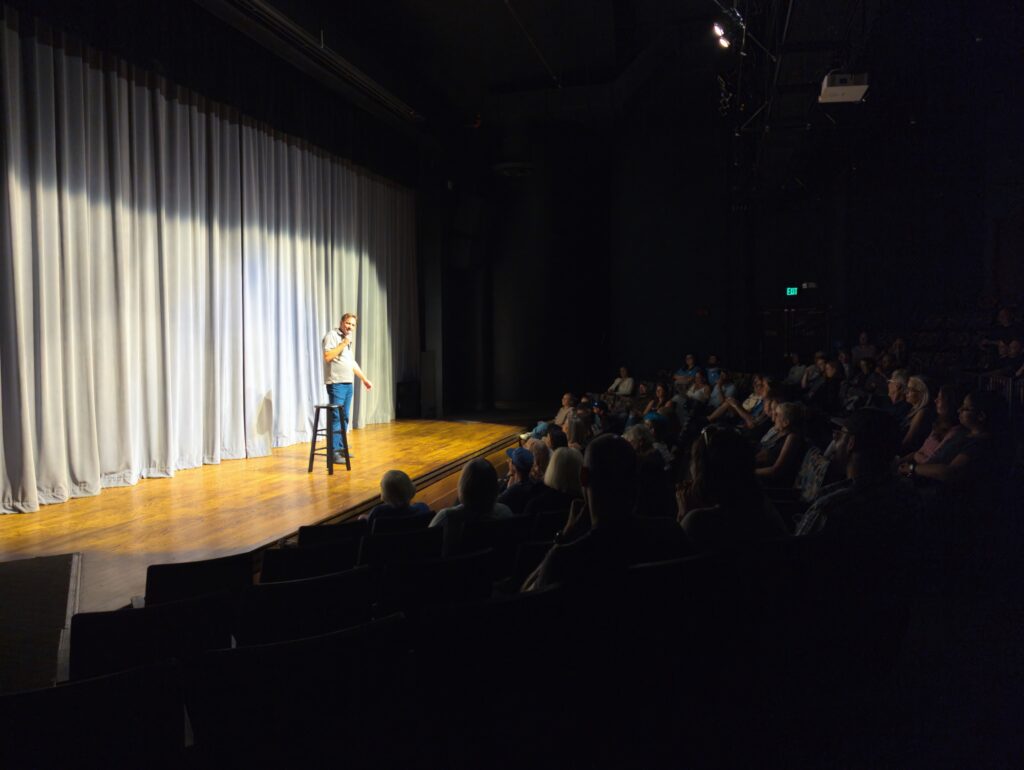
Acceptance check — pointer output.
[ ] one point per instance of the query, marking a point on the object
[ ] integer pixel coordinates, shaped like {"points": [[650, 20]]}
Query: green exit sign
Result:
{"points": [[792, 291]]}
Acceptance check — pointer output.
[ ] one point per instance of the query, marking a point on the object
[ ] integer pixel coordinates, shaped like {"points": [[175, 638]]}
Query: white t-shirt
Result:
{"points": [[341, 368]]}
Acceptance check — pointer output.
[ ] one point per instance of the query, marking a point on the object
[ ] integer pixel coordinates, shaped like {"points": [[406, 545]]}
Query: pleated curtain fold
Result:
{"points": [[167, 270]]}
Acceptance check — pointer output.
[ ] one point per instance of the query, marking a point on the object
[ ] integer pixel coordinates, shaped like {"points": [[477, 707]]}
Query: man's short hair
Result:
{"points": [[396, 488], [353, 316]]}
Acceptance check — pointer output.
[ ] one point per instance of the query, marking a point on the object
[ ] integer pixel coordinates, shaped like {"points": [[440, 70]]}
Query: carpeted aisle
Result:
{"points": [[37, 598]]}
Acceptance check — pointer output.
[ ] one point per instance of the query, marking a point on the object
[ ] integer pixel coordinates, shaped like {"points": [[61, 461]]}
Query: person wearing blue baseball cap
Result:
{"points": [[521, 488]]}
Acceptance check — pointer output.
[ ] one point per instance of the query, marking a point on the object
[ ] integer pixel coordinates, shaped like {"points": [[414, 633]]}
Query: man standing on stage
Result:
{"points": [[339, 369]]}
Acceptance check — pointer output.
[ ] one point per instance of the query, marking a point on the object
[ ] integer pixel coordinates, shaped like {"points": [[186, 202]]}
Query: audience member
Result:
{"points": [[724, 504], [555, 438], [918, 422], [724, 388], [977, 472], [870, 507], [899, 407], [684, 375], [751, 407], [521, 487], [814, 375], [662, 399], [396, 492], [942, 444], [561, 483], [656, 496], [622, 386], [699, 391], [796, 370], [900, 352], [780, 467], [827, 397], [613, 540], [886, 365], [713, 370], [478, 492], [863, 348], [843, 357], [578, 434], [541, 456]]}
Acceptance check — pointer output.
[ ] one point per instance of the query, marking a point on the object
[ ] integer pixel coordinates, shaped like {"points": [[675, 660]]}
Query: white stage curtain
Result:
{"points": [[167, 269]]}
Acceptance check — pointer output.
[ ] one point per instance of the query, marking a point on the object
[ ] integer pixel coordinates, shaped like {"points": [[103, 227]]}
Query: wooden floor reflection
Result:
{"points": [[239, 505]]}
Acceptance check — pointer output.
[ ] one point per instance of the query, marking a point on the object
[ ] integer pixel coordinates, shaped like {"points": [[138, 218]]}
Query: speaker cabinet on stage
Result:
{"points": [[407, 405]]}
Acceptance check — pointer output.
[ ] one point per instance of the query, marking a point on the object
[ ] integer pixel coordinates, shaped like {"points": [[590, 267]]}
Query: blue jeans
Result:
{"points": [[339, 393]]}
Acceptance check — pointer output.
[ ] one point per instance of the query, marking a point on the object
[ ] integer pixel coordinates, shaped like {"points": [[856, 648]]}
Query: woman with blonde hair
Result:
{"points": [[917, 423], [561, 482], [778, 468]]}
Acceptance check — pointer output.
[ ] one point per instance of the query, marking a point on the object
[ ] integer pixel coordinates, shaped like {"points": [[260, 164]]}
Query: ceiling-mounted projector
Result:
{"points": [[843, 87]]}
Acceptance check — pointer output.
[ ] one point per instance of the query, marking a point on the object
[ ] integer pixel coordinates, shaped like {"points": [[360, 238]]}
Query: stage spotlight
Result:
{"points": [[718, 29], [724, 42]]}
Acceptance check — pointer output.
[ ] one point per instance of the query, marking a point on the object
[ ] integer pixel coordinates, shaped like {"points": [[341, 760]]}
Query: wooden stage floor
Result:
{"points": [[239, 505]]}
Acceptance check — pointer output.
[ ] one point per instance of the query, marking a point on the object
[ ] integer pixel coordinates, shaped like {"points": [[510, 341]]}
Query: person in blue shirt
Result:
{"points": [[684, 375], [713, 369]]}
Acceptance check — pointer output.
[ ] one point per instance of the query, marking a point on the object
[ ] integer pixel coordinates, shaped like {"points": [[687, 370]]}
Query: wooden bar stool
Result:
{"points": [[328, 433]]}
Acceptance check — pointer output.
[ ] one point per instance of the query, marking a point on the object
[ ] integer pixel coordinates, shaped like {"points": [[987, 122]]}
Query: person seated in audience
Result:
{"points": [[886, 365], [827, 397], [684, 375], [700, 390], [978, 469], [900, 352], [843, 357], [569, 402], [918, 422], [942, 443], [656, 496], [713, 370], [560, 419], [760, 430], [521, 487], [863, 348], [578, 434], [612, 539], [1012, 363], [723, 504], [396, 492], [555, 438], [899, 407], [1003, 329], [662, 399], [621, 387], [561, 483], [814, 375], [866, 386], [723, 389], [541, 455], [869, 507], [478, 501], [779, 467], [604, 421], [747, 412], [660, 427], [796, 370]]}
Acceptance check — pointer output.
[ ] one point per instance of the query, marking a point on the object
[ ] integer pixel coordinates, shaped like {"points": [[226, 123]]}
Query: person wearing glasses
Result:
{"points": [[978, 466]]}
